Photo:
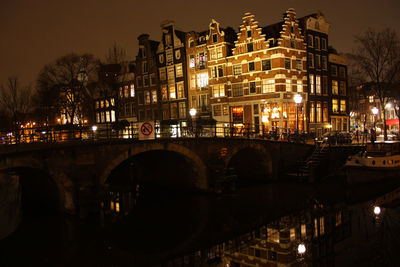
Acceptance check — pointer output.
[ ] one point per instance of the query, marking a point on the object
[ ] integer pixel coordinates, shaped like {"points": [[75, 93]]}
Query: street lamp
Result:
{"points": [[297, 99], [192, 113], [375, 111]]}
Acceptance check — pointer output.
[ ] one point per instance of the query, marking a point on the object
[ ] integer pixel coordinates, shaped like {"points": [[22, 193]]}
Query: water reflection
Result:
{"points": [[286, 224]]}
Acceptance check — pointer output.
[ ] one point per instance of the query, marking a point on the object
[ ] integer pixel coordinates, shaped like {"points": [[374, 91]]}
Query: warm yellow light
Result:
{"points": [[117, 206], [264, 119]]}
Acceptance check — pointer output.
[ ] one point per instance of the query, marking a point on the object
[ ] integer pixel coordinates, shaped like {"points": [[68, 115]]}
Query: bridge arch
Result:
{"points": [[251, 161], [134, 150]]}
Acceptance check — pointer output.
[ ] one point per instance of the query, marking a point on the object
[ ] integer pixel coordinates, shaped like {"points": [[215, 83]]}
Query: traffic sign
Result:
{"points": [[146, 131]]}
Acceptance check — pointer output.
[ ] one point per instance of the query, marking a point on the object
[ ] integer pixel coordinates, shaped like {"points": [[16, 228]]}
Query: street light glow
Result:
{"points": [[301, 249], [297, 98], [192, 112], [94, 128], [377, 210], [375, 110]]}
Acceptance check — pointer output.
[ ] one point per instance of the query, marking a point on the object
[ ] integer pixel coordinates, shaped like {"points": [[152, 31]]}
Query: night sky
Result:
{"points": [[36, 32]]}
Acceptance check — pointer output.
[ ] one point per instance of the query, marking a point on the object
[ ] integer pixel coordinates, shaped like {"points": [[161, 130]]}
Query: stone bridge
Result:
{"points": [[81, 171]]}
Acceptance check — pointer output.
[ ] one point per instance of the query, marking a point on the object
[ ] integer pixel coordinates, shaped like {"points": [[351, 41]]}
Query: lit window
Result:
{"points": [[163, 74], [181, 92], [132, 93], [237, 69], [268, 86], [288, 86], [321, 225], [315, 227], [237, 89], [335, 89], [172, 93], [299, 86], [182, 110], [164, 93], [191, 61], [318, 84], [202, 80], [312, 112], [371, 99], [219, 52], [112, 115], [107, 116], [292, 234], [303, 232], [311, 79], [219, 90], [178, 69], [169, 56], [170, 73], [147, 97], [342, 105], [335, 106], [154, 96], [272, 235], [319, 112]]}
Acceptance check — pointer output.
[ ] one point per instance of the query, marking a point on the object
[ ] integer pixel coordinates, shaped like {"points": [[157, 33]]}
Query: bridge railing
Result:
{"points": [[58, 134]]}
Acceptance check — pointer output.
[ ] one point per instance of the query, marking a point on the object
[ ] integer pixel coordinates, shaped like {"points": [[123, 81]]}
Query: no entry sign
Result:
{"points": [[146, 130]]}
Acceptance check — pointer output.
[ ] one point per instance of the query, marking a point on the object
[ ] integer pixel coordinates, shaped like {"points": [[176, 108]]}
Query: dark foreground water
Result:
{"points": [[175, 229]]}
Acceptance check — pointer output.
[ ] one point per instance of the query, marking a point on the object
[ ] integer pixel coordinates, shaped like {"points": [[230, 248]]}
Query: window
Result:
{"points": [[145, 67], [316, 42], [310, 59], [181, 90], [292, 234], [338, 218], [169, 56], [312, 112], [213, 54], [292, 43], [174, 110], [220, 71], [126, 91], [163, 74], [219, 90], [147, 97], [272, 235], [191, 61], [112, 101], [319, 112], [311, 80], [172, 93], [335, 90], [237, 89], [225, 110], [321, 225], [217, 111], [287, 63], [315, 227], [164, 93], [324, 63], [182, 110], [335, 107], [152, 79], [146, 80], [303, 231], [251, 66], [288, 86], [325, 115], [248, 33], [318, 61], [112, 115], [310, 40], [371, 99], [334, 70], [154, 96], [203, 102], [252, 87], [132, 93], [193, 81], [178, 54], [97, 117], [299, 65], [266, 64], [168, 41], [323, 44], [202, 60], [170, 74], [268, 86], [140, 98], [255, 109], [318, 84], [161, 58], [325, 85], [202, 80], [250, 47], [215, 38], [178, 69], [342, 88], [139, 81], [299, 86], [219, 52], [342, 105], [237, 69], [342, 72]]}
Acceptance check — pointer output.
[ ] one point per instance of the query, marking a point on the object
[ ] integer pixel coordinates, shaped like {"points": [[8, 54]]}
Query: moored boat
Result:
{"points": [[380, 161]]}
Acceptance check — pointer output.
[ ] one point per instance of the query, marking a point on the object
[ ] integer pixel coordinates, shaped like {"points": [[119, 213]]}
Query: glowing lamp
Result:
{"points": [[301, 248]]}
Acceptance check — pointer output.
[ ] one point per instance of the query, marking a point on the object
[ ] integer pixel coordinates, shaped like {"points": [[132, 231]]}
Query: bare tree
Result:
{"points": [[377, 61], [15, 100], [116, 54], [67, 84]]}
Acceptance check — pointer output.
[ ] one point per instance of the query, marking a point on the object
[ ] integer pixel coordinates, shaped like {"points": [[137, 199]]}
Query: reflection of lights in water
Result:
{"points": [[301, 249], [377, 210]]}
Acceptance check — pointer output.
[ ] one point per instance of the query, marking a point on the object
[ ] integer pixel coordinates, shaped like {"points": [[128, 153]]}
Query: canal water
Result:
{"points": [[260, 224]]}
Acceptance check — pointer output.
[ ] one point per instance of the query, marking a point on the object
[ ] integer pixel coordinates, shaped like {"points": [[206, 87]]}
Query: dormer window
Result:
{"points": [[168, 40], [248, 33]]}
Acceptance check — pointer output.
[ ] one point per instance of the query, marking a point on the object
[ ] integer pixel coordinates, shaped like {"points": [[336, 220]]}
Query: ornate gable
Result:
{"points": [[290, 35], [249, 37]]}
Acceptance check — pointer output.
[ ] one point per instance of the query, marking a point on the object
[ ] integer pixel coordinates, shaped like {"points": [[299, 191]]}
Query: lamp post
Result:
{"points": [[375, 111], [297, 99], [192, 113]]}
